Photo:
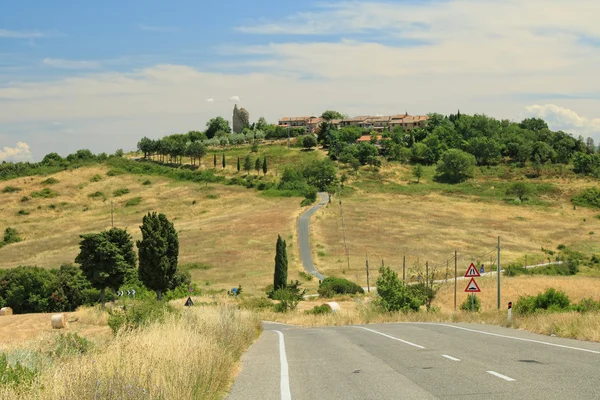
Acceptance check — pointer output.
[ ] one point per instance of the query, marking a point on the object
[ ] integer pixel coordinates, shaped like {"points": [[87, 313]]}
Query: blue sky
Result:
{"points": [[100, 75]]}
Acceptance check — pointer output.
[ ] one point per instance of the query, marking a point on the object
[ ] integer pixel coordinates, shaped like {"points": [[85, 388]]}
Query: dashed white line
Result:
{"points": [[518, 338], [391, 337], [285, 375], [450, 357], [506, 378]]}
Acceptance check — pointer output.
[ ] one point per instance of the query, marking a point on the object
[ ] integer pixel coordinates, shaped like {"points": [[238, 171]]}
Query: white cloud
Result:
{"points": [[560, 118], [70, 64], [210, 100], [9, 34], [234, 98], [18, 153]]}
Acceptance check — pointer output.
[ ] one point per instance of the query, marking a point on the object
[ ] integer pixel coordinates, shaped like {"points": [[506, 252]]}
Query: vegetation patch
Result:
{"points": [[96, 178], [589, 197], [50, 181], [11, 189], [97, 195], [45, 193], [22, 212], [120, 192], [133, 202], [332, 286]]}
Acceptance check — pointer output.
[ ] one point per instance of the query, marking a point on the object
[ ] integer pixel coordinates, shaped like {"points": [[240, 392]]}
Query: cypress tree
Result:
{"points": [[223, 161], [281, 265], [264, 166], [238, 166], [215, 161], [247, 164], [257, 165]]}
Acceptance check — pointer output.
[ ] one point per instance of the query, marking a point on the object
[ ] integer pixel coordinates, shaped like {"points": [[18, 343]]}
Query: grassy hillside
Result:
{"points": [[388, 215], [227, 233]]}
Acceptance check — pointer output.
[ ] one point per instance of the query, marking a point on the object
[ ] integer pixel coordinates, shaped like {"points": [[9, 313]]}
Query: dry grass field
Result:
{"points": [[428, 225], [231, 229]]}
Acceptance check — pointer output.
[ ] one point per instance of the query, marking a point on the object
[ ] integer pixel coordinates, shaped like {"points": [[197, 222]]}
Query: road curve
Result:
{"points": [[304, 237], [415, 361]]}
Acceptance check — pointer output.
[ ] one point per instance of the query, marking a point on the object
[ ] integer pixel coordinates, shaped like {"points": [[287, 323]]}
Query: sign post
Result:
{"points": [[472, 287], [509, 310]]}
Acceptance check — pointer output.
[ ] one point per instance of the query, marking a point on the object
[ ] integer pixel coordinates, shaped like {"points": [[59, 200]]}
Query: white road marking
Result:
{"points": [[506, 378], [518, 338], [450, 357], [285, 375], [391, 337]]}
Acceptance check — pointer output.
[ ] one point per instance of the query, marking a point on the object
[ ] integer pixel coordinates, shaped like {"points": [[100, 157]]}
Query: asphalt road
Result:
{"points": [[304, 237], [416, 361]]}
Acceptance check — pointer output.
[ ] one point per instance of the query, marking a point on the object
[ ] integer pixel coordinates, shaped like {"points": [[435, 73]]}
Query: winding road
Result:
{"points": [[415, 361], [304, 237]]}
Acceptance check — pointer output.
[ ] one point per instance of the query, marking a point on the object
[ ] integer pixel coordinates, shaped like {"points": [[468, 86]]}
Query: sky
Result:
{"points": [[101, 75]]}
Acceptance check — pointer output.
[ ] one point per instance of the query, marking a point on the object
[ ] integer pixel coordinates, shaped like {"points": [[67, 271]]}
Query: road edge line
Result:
{"points": [[285, 374], [450, 357], [391, 337], [506, 378]]}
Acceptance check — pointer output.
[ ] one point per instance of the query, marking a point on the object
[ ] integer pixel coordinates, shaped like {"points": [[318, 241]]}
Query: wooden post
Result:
{"points": [[368, 285], [404, 269], [455, 276], [427, 285]]}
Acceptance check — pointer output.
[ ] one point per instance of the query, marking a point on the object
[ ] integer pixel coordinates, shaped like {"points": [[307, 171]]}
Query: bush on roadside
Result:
{"points": [[551, 300], [15, 375], [393, 294], [256, 303], [70, 344], [319, 310], [332, 286], [467, 306], [587, 305], [138, 314]]}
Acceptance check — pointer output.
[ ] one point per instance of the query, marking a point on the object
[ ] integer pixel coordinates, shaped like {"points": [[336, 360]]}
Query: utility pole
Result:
{"points": [[447, 266], [427, 285], [499, 272], [404, 269], [368, 285], [455, 276], [343, 222], [112, 217]]}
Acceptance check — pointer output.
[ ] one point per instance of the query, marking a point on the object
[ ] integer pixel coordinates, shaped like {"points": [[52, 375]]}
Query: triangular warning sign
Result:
{"points": [[472, 287], [189, 302], [472, 272]]}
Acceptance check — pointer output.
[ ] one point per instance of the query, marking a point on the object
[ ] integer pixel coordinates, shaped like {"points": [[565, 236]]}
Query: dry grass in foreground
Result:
{"points": [[572, 325], [191, 355]]}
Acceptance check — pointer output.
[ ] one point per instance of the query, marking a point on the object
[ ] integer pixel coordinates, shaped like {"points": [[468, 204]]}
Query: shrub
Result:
{"points": [[587, 305], [70, 344], [288, 297], [15, 375], [96, 178], [50, 181], [551, 299], [590, 197], [212, 196], [524, 305], [97, 195], [521, 190], [138, 314], [455, 166], [319, 310], [22, 212], [114, 172], [514, 270], [147, 182], [256, 303], [305, 276], [306, 202], [467, 306], [332, 286], [133, 202], [11, 236], [25, 199], [393, 294], [120, 192], [45, 193], [11, 189]]}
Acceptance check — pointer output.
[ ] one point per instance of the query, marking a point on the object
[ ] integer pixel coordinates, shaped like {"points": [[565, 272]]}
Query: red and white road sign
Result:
{"points": [[472, 272], [472, 287]]}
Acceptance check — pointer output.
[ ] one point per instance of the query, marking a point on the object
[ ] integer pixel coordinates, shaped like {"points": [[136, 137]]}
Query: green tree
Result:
{"points": [[238, 164], [257, 165], [281, 265], [321, 174], [158, 252], [223, 163], [247, 163], [455, 166], [519, 189], [264, 166], [105, 258], [366, 152], [195, 151], [309, 141], [393, 294], [417, 171], [331, 114], [215, 125], [261, 124]]}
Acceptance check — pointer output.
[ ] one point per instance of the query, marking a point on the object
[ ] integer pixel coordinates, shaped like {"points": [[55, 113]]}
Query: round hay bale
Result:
{"points": [[333, 306], [6, 311], [59, 321]]}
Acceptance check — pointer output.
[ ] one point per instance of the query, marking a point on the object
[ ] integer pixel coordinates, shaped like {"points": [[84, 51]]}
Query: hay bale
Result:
{"points": [[333, 306], [6, 311], [59, 321]]}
